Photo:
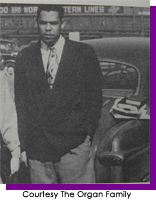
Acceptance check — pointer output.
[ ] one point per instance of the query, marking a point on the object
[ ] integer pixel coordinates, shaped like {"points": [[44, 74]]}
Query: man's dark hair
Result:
{"points": [[51, 7]]}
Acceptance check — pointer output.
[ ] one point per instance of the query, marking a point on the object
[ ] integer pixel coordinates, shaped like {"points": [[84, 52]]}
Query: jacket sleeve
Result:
{"points": [[20, 92], [92, 91], [8, 118]]}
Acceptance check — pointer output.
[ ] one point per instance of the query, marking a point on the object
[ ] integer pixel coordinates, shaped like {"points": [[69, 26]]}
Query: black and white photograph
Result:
{"points": [[74, 93]]}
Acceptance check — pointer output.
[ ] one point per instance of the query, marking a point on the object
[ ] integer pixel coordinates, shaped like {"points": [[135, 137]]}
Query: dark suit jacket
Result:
{"points": [[51, 122]]}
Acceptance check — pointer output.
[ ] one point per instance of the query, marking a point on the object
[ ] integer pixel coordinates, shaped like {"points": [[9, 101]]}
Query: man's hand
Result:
{"points": [[14, 165], [23, 158], [87, 139], [86, 143]]}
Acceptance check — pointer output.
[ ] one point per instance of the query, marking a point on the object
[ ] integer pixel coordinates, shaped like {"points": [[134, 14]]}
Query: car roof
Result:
{"points": [[124, 49]]}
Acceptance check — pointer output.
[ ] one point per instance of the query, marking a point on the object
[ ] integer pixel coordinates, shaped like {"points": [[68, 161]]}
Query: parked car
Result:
{"points": [[9, 50], [121, 145]]}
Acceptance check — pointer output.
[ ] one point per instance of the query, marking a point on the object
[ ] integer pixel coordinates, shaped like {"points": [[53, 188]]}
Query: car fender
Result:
{"points": [[119, 149]]}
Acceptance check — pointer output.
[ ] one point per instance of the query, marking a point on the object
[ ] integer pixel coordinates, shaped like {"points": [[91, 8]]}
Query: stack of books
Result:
{"points": [[130, 107]]}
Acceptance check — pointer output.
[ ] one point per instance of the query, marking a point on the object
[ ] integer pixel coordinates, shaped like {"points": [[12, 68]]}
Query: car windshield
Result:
{"points": [[119, 79]]}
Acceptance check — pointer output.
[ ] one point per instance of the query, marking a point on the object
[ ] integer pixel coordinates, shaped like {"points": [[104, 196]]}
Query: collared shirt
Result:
{"points": [[45, 51]]}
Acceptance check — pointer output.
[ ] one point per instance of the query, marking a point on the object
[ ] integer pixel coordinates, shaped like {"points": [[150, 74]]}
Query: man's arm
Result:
{"points": [[20, 95], [8, 123]]}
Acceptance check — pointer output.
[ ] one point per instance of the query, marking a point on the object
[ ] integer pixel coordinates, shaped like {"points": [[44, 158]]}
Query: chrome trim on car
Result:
{"points": [[119, 62]]}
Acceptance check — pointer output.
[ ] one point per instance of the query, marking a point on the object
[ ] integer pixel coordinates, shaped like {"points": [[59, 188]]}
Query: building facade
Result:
{"points": [[91, 21]]}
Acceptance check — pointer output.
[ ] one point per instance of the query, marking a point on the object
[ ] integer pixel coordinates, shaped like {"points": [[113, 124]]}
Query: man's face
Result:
{"points": [[49, 25]]}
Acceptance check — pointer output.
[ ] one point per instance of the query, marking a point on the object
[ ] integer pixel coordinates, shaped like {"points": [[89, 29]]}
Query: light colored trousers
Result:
{"points": [[77, 166]]}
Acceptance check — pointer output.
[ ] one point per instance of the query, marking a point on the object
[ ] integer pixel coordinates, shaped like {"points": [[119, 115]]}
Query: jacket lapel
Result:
{"points": [[64, 74], [37, 66], [41, 95], [65, 69]]}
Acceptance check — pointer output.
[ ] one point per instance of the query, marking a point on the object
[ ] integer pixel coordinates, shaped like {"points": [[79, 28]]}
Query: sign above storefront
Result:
{"points": [[69, 9]]}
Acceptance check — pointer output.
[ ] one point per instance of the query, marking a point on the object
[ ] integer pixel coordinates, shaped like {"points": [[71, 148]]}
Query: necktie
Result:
{"points": [[52, 66]]}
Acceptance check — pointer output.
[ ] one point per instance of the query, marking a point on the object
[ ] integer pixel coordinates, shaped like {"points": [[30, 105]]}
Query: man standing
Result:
{"points": [[58, 101]]}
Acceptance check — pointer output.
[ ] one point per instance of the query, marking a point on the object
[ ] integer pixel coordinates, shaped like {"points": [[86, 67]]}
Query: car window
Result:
{"points": [[119, 77], [5, 47]]}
